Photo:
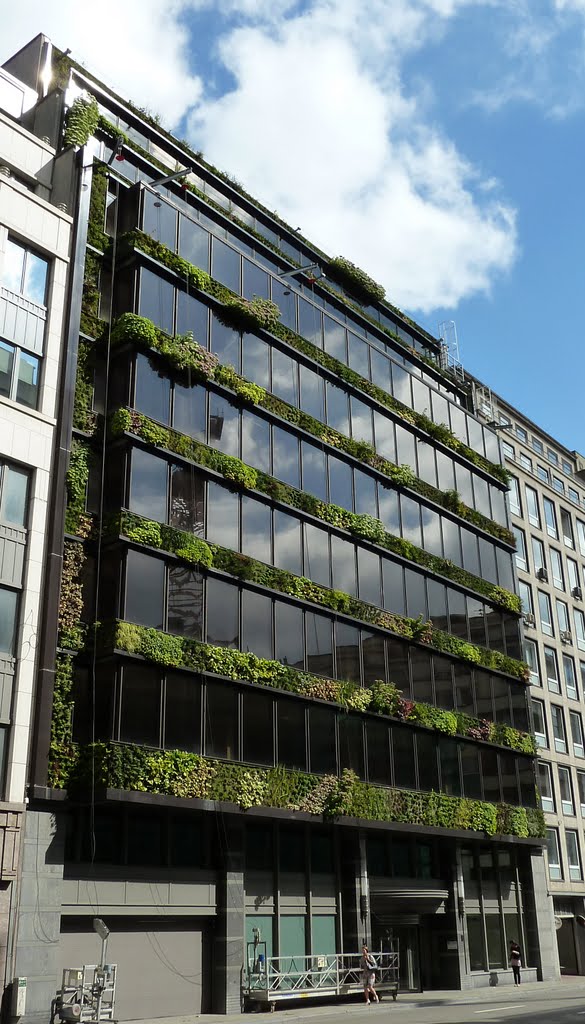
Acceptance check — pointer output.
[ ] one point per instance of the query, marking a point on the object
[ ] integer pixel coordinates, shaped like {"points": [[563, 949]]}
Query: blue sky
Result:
{"points": [[437, 143]]}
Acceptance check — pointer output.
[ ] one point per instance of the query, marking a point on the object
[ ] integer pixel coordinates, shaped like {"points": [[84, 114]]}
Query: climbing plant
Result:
{"points": [[360, 525], [355, 280], [191, 776], [81, 121], [77, 519], [201, 280], [71, 628]]}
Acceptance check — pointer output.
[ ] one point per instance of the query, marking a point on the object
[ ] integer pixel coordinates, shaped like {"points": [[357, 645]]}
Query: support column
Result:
{"points": [[355, 891], [544, 919], [230, 932], [39, 913], [461, 921]]}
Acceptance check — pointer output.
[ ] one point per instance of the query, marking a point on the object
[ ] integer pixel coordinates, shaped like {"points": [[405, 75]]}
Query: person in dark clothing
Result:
{"points": [[515, 961]]}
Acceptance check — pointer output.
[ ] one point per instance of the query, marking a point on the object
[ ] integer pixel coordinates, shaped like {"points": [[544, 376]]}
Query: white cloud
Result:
{"points": [[318, 124], [139, 47], [329, 138]]}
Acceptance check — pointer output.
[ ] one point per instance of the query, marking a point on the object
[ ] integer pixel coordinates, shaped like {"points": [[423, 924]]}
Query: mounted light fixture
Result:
{"points": [[117, 153], [291, 274], [158, 182]]}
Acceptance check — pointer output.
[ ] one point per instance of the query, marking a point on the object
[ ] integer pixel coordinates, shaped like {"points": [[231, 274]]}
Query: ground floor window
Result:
{"points": [[498, 905]]}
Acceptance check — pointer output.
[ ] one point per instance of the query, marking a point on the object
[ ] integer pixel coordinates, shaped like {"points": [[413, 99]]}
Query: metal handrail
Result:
{"points": [[334, 973]]}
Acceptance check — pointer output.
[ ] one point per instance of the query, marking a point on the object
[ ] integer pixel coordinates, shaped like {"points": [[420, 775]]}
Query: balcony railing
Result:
{"points": [[22, 321]]}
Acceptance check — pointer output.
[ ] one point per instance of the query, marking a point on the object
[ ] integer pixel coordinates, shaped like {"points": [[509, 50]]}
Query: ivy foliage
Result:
{"points": [[62, 754], [233, 469], [184, 353], [77, 520], [189, 548], [96, 235], [84, 418], [71, 629], [360, 525], [81, 121], [383, 698], [233, 303], [356, 281], [191, 776], [90, 322]]}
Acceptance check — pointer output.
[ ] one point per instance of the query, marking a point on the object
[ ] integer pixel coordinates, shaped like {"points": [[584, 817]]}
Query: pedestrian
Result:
{"points": [[515, 961], [368, 967]]}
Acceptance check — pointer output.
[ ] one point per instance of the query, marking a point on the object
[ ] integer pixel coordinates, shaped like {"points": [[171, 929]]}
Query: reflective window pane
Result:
{"points": [[256, 529], [8, 610], [287, 542], [288, 629], [221, 721], [223, 627], [292, 734], [322, 740], [190, 410], [144, 589], [27, 384], [6, 367], [148, 485], [257, 624], [152, 392], [194, 243], [182, 712], [319, 639], [157, 299], [225, 265], [185, 602], [14, 496], [140, 705], [257, 727]]}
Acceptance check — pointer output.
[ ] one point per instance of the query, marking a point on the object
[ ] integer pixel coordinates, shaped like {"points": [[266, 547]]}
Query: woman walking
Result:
{"points": [[515, 961], [368, 967]]}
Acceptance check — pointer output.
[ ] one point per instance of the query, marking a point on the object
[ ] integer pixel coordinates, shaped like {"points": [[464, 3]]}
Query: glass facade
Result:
{"points": [[321, 604]]}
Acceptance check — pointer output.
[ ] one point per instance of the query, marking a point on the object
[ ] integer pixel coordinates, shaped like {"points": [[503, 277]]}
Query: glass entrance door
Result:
{"points": [[405, 939]]}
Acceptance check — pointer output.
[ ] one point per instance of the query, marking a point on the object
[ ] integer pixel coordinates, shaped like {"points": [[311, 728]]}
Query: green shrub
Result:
{"points": [[179, 773], [81, 121], [355, 280], [258, 318], [246, 476], [381, 697]]}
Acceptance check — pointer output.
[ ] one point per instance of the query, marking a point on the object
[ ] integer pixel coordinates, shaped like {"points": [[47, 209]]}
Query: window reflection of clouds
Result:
{"points": [[13, 266], [287, 542], [432, 534], [256, 530], [316, 555], [222, 516]]}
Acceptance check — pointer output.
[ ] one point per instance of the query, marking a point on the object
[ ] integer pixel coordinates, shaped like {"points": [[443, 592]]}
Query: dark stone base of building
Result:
{"points": [[182, 929]]}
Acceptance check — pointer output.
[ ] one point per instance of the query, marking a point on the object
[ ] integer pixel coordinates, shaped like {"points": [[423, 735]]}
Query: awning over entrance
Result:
{"points": [[418, 896]]}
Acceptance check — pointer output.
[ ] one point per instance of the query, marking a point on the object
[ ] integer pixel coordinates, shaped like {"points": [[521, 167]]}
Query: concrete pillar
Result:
{"points": [[544, 919], [356, 927], [460, 921], [230, 930], [365, 910], [38, 922]]}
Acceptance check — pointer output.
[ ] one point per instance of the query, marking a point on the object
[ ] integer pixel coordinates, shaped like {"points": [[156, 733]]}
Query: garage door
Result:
{"points": [[160, 972]]}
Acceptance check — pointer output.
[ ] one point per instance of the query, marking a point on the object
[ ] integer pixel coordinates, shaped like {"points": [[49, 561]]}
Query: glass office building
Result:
{"points": [[285, 691]]}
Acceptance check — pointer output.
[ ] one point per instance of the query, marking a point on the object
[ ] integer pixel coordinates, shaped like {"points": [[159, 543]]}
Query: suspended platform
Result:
{"points": [[277, 979]]}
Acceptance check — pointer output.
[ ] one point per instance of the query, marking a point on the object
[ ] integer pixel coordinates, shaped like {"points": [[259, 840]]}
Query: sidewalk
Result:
{"points": [[406, 1000]]}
